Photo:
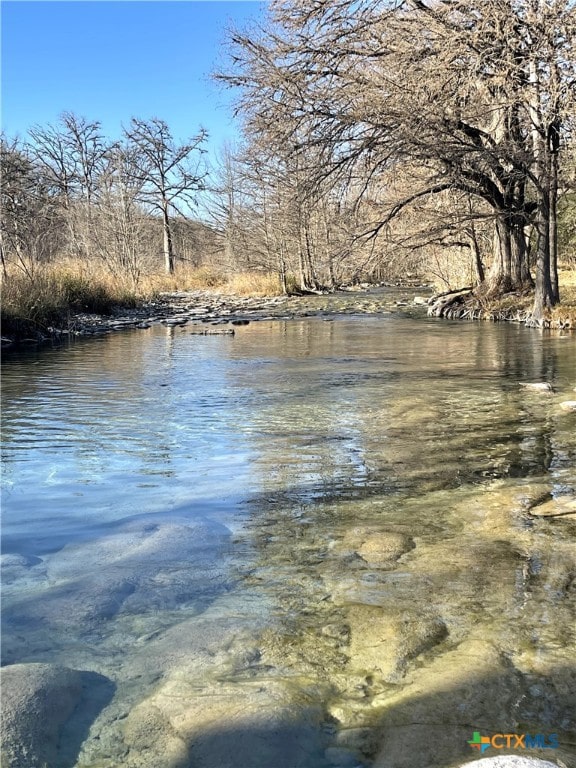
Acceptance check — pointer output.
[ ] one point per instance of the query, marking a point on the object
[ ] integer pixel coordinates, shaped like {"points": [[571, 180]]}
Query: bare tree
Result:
{"points": [[468, 93], [30, 222], [70, 155], [170, 175], [120, 230], [225, 205], [50, 149], [86, 151]]}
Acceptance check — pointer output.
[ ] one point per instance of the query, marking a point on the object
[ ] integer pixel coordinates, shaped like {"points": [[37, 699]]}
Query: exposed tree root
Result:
{"points": [[463, 304]]}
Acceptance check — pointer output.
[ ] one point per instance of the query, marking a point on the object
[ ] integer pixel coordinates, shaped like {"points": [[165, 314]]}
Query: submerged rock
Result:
{"points": [[15, 560], [37, 699], [568, 405], [384, 547], [374, 546], [382, 645], [555, 507], [511, 761], [139, 566], [257, 724], [428, 722], [539, 386], [341, 757]]}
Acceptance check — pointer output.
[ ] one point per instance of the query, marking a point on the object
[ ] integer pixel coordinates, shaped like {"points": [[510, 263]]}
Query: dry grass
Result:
{"points": [[567, 278], [210, 279], [253, 284], [32, 302], [183, 279]]}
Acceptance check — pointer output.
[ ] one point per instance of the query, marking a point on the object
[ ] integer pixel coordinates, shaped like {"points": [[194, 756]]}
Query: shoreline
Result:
{"points": [[215, 313], [463, 304]]}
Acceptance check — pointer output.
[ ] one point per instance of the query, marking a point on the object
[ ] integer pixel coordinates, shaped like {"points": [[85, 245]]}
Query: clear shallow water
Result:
{"points": [[305, 527]]}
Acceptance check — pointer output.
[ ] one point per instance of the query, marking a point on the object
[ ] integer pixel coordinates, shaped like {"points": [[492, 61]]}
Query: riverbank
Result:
{"points": [[211, 312], [465, 304], [217, 309]]}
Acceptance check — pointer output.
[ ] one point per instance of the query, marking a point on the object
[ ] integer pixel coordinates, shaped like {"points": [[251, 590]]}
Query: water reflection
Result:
{"points": [[320, 518]]}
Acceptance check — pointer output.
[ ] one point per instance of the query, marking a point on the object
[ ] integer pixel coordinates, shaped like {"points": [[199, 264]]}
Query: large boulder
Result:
{"points": [[428, 721], [37, 700], [228, 725]]}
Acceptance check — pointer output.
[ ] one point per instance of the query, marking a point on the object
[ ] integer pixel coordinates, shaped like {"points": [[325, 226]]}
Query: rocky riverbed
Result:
{"points": [[315, 545], [206, 312], [380, 673]]}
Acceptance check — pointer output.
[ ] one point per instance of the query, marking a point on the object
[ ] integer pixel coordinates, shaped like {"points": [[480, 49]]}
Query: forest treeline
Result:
{"points": [[68, 191], [381, 138]]}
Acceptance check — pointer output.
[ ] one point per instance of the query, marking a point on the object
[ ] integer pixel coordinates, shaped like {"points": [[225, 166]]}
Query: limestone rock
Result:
{"points": [[556, 507], [341, 757], [510, 761], [377, 547], [382, 645], [16, 567], [143, 563], [256, 724], [568, 405], [430, 718], [37, 699], [18, 561], [384, 547], [538, 386]]}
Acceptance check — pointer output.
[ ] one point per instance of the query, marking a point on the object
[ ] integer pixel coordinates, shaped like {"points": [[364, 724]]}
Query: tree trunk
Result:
{"points": [[543, 294], [545, 144], [478, 265], [307, 280], [282, 269], [500, 278], [168, 247], [2, 257], [328, 248], [547, 292], [553, 226], [522, 278], [510, 270], [229, 253]]}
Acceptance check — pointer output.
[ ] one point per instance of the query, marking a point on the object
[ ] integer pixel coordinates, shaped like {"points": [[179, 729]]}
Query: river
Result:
{"points": [[314, 543]]}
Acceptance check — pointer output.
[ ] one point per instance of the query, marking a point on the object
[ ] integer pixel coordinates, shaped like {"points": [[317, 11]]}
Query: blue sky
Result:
{"points": [[109, 60]]}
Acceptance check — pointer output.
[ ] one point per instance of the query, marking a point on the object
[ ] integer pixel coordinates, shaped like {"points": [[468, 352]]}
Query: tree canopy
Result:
{"points": [[403, 100]]}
